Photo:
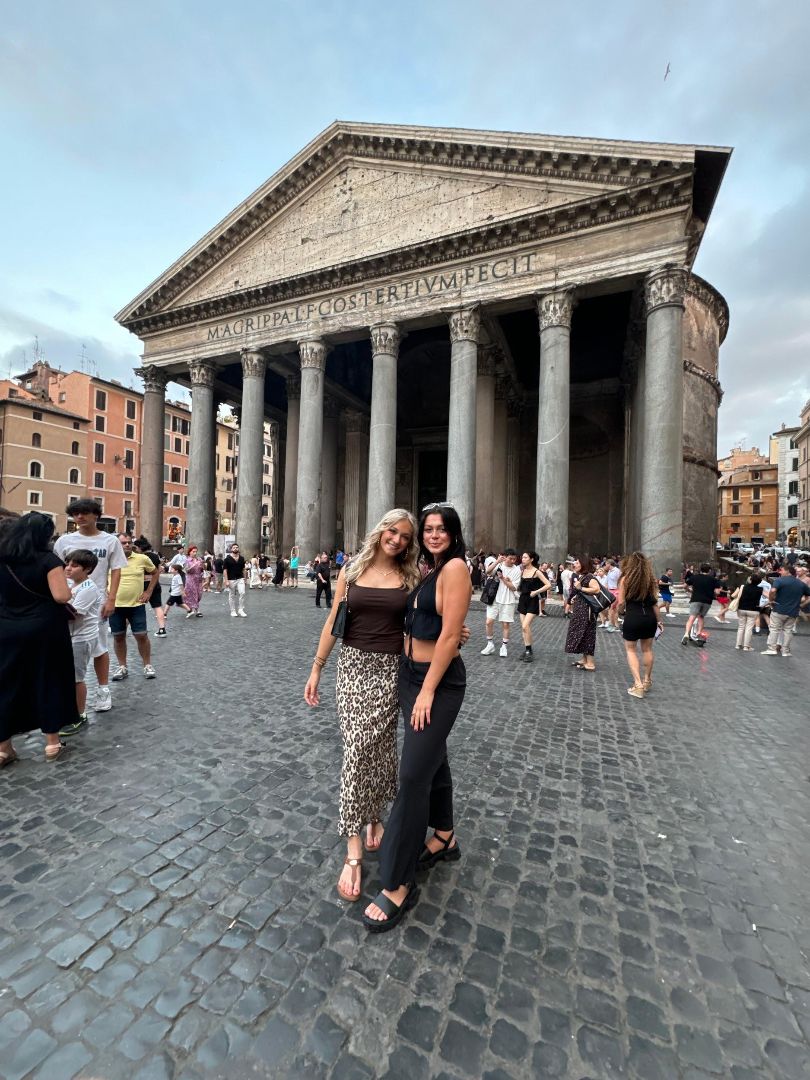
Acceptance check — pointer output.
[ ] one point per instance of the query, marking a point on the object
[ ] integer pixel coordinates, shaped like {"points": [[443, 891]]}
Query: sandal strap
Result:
{"points": [[352, 862], [387, 905], [445, 843]]}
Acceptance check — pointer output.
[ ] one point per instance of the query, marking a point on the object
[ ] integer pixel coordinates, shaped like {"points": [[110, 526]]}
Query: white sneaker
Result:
{"points": [[103, 699], [242, 614], [190, 615], [148, 671], [488, 649], [769, 652], [234, 615], [504, 651], [120, 673], [670, 615]]}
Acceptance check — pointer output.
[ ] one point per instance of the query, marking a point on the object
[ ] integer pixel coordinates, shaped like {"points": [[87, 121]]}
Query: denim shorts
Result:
{"points": [[135, 616]]}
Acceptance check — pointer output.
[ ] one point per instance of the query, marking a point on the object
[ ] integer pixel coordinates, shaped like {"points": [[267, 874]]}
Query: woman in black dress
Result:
{"points": [[581, 636], [533, 585], [638, 595], [37, 688]]}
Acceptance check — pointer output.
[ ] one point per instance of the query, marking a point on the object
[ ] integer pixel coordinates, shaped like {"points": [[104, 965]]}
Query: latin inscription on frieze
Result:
{"points": [[421, 286]]}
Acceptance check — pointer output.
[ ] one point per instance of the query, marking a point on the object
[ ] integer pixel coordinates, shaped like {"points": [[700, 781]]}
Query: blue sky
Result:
{"points": [[130, 129]]}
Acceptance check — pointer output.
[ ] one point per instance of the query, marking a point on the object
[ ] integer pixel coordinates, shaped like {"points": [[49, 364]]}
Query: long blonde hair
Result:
{"points": [[639, 579], [409, 570]]}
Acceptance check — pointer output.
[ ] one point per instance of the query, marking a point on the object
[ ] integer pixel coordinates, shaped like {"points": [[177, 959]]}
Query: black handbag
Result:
{"points": [[599, 602], [341, 616], [489, 590]]}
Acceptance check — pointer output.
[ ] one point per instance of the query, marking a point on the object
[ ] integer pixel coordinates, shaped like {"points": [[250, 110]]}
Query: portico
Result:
{"points": [[508, 323]]}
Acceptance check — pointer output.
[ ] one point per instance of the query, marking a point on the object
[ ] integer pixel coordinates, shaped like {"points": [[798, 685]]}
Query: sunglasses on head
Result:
{"points": [[438, 506]]}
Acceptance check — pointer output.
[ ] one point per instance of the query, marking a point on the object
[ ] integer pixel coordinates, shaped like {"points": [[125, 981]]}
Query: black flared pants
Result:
{"points": [[425, 796]]}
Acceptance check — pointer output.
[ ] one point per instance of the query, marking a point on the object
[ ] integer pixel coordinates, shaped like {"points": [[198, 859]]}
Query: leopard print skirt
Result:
{"points": [[368, 708]]}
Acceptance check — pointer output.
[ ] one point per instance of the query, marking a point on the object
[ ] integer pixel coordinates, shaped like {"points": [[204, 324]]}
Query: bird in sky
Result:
{"points": [[667, 71]]}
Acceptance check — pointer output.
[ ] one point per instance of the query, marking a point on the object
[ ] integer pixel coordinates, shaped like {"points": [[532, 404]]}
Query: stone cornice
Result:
{"points": [[624, 204], [714, 301], [702, 373], [704, 463]]}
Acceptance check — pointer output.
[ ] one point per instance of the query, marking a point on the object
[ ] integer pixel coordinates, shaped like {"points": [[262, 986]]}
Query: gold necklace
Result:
{"points": [[384, 573]]}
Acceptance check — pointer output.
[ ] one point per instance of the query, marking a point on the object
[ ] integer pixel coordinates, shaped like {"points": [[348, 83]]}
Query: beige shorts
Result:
{"points": [[503, 613]]}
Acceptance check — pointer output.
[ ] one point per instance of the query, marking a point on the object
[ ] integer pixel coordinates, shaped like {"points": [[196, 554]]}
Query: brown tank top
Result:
{"points": [[376, 618]]}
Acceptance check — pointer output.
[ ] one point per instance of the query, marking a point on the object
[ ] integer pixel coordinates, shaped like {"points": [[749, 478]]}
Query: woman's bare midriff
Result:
{"points": [[422, 650]]}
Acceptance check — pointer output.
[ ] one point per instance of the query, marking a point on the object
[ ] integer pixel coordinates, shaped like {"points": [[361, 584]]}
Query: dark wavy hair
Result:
{"points": [[23, 538], [451, 522]]}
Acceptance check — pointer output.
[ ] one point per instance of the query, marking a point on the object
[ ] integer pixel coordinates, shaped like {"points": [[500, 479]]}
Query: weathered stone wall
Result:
{"points": [[701, 400]]}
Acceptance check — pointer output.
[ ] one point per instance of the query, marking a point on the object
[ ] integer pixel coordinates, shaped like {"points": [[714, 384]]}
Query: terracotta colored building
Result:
{"points": [[747, 497], [43, 454], [176, 444]]}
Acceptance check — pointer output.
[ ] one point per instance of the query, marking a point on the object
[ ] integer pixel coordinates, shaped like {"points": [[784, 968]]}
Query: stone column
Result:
{"points": [[661, 449], [382, 444], [199, 522], [291, 462], [464, 328], [152, 485], [484, 444], [499, 463], [310, 446], [553, 425], [251, 453], [273, 502], [354, 487], [512, 470], [331, 411]]}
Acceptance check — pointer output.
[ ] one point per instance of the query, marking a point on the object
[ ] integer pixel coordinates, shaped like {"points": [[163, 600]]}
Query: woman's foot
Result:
{"points": [[440, 847], [374, 835], [8, 755], [350, 882], [388, 908], [646, 684], [54, 750], [636, 691]]}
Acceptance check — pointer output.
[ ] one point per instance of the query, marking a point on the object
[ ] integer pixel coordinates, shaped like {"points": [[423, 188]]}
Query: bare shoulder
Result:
{"points": [[456, 573]]}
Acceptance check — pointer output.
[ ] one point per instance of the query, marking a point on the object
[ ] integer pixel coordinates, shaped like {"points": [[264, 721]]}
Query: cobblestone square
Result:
{"points": [[632, 899]]}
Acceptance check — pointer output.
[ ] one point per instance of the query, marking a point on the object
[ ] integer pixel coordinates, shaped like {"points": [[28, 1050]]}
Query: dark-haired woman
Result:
{"points": [[37, 688], [156, 597], [432, 682], [638, 595], [581, 636], [533, 585]]}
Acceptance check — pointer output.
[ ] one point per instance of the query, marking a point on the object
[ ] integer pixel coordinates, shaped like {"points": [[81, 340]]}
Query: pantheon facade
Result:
{"points": [[506, 321]]}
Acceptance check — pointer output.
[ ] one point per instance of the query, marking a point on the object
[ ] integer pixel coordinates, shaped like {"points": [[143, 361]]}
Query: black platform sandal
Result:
{"points": [[428, 858], [393, 912]]}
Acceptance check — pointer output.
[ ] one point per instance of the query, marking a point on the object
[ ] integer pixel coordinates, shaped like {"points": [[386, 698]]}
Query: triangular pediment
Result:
{"points": [[359, 191]]}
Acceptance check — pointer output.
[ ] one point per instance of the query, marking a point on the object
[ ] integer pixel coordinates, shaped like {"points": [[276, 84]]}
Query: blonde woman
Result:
{"points": [[638, 595], [376, 585]]}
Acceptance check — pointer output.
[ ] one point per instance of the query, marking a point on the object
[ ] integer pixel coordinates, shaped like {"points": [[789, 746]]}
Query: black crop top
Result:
{"points": [[422, 621]]}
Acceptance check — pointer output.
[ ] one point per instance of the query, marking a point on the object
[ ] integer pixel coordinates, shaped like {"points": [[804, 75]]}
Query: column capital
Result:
{"points": [[487, 360], [465, 324], [293, 387], [664, 288], [503, 387], [154, 378], [331, 407], [556, 308], [385, 338], [254, 363], [313, 354], [356, 422], [202, 372]]}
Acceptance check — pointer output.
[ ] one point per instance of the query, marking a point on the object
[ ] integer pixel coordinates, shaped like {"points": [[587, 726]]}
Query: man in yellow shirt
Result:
{"points": [[130, 607]]}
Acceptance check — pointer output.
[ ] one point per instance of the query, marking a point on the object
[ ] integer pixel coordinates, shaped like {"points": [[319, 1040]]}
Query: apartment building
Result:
{"points": [[225, 477], [176, 444], [747, 498], [43, 454], [785, 455]]}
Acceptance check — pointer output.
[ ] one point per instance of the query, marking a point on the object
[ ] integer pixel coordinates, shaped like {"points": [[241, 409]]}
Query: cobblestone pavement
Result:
{"points": [[632, 898]]}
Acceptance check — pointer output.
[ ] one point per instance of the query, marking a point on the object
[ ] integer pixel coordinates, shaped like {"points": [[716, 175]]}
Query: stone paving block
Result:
{"points": [[27, 1054], [65, 1063]]}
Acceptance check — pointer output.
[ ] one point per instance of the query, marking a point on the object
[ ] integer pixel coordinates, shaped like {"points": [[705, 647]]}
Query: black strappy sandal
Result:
{"points": [[428, 858], [394, 913]]}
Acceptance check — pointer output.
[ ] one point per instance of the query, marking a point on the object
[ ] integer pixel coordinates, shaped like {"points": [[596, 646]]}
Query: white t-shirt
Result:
{"points": [[105, 546], [766, 592], [86, 601], [566, 576], [613, 577], [176, 587], [504, 594], [179, 560]]}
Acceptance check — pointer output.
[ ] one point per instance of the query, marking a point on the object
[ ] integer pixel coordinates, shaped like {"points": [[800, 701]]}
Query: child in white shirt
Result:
{"points": [[85, 606], [175, 598]]}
